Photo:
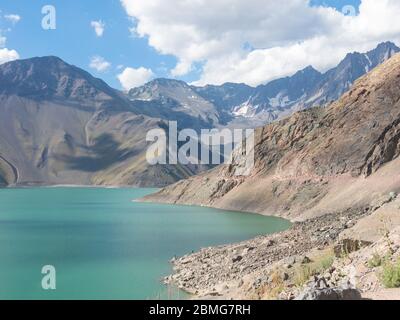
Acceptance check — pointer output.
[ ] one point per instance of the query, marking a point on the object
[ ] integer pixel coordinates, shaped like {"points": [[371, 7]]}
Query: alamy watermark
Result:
{"points": [[49, 278], [208, 147], [49, 21], [349, 10]]}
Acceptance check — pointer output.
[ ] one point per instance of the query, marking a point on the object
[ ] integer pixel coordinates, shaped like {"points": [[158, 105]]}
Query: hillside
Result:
{"points": [[316, 161], [60, 125]]}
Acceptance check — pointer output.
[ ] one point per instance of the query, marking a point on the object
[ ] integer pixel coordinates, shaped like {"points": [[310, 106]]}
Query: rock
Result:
{"points": [[392, 196], [237, 259], [350, 224], [305, 260], [247, 250], [347, 246], [327, 276], [268, 242], [290, 260], [285, 276], [185, 261], [321, 283], [377, 203], [329, 294]]}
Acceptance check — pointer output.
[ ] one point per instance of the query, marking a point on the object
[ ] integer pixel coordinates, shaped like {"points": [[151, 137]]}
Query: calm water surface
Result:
{"points": [[102, 244]]}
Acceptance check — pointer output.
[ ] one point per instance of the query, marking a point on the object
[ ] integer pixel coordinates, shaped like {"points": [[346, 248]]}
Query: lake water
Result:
{"points": [[102, 244]]}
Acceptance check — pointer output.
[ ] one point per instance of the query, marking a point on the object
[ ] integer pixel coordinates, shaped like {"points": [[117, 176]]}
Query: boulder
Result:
{"points": [[347, 246], [329, 294]]}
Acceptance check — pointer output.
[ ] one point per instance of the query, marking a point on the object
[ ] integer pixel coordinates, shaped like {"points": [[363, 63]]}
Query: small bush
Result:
{"points": [[375, 261], [303, 274], [391, 275], [274, 288], [326, 262], [318, 266]]}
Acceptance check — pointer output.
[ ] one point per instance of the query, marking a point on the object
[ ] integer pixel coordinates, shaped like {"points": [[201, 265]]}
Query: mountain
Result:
{"points": [[60, 125], [52, 78], [225, 98], [239, 105], [279, 95], [309, 87], [177, 101], [317, 161]]}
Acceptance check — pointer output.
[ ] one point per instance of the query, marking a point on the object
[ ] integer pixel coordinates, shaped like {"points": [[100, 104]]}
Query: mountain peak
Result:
{"points": [[387, 45], [166, 82], [309, 70], [382, 52], [49, 76]]}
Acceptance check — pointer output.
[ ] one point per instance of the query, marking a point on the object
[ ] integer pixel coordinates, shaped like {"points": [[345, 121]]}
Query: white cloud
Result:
{"points": [[14, 18], [131, 78], [98, 27], [2, 41], [7, 55], [286, 37], [99, 64]]}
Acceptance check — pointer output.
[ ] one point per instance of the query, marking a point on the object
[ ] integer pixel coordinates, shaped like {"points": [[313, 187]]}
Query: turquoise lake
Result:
{"points": [[102, 244]]}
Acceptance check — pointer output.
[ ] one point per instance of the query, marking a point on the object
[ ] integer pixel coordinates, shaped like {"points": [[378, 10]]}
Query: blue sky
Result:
{"points": [[75, 40]]}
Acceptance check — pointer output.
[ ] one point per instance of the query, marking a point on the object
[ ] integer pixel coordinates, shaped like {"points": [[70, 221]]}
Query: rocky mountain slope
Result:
{"points": [[238, 105], [335, 173], [60, 125], [309, 87], [316, 161]]}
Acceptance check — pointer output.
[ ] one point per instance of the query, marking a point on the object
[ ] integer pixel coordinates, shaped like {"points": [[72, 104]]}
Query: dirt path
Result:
{"points": [[13, 168]]}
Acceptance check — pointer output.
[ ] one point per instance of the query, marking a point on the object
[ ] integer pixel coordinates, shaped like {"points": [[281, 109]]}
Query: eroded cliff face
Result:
{"points": [[316, 161]]}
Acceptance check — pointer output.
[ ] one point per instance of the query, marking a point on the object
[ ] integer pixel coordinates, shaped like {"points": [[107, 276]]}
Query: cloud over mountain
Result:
{"points": [[8, 55], [259, 40], [99, 64], [131, 77]]}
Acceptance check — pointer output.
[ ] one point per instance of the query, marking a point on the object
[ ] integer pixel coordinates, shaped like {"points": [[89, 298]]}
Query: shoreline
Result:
{"points": [[27, 186], [223, 271], [248, 269]]}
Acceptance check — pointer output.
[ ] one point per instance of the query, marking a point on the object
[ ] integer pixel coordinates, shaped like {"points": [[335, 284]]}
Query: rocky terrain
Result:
{"points": [[335, 173], [325, 258], [316, 161]]}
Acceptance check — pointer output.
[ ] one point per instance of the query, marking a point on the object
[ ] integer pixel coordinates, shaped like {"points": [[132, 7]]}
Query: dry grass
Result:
{"points": [[319, 265]]}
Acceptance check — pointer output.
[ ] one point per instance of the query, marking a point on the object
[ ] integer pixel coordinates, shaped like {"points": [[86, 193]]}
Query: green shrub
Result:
{"points": [[303, 274], [375, 261], [326, 262], [391, 275], [320, 264]]}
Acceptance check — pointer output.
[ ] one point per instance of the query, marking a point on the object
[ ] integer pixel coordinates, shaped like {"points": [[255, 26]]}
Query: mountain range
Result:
{"points": [[61, 125], [315, 162], [239, 105]]}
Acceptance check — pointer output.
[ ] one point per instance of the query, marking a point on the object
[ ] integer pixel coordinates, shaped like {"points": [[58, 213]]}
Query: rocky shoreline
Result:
{"points": [[269, 267], [335, 172]]}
